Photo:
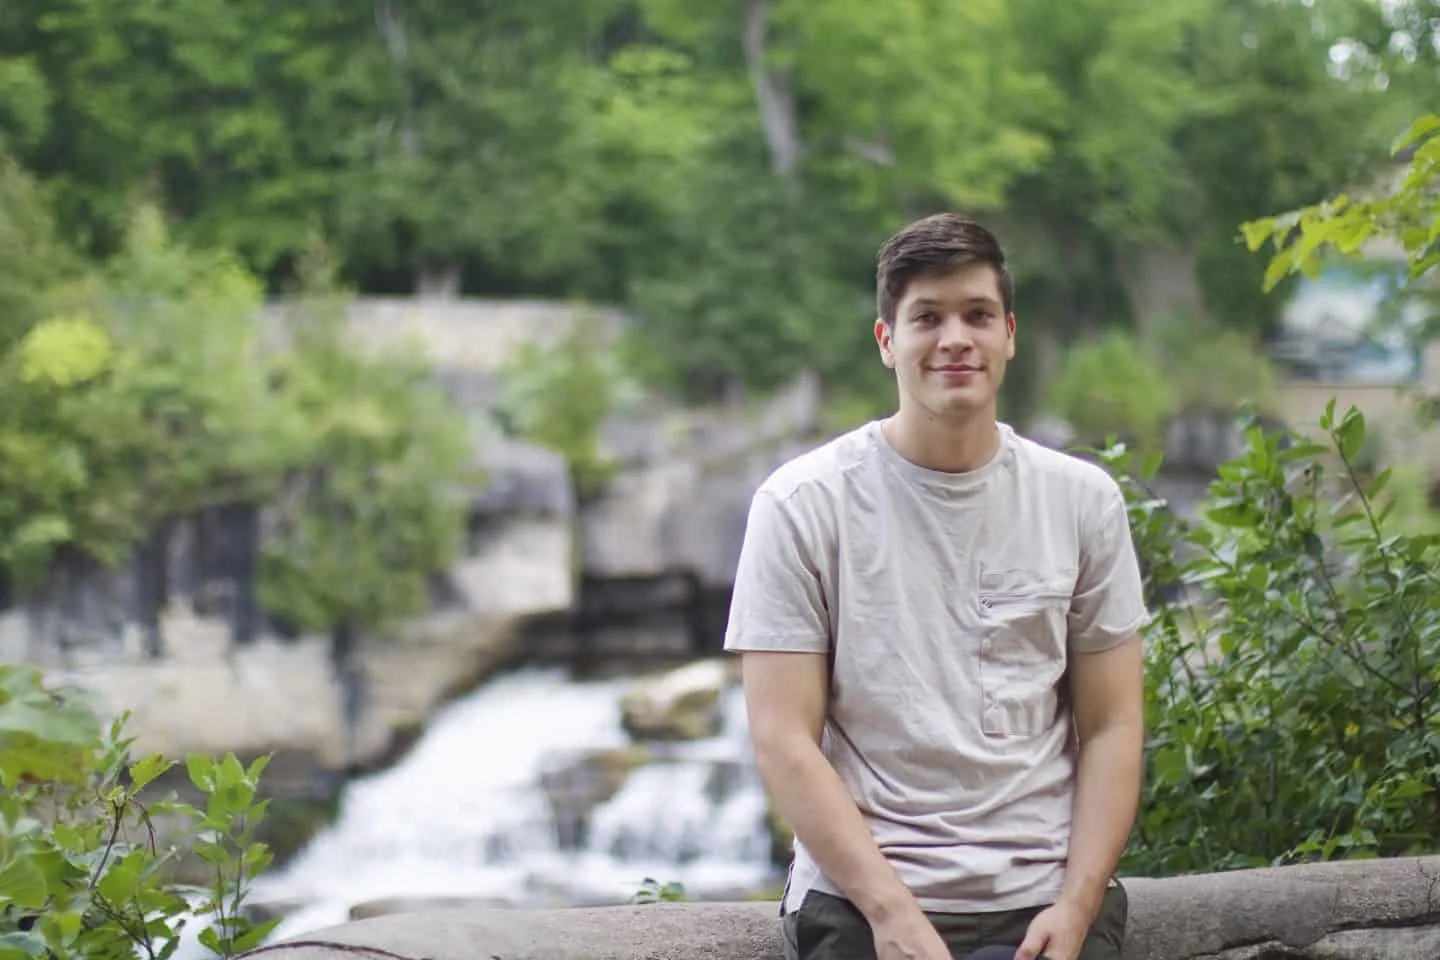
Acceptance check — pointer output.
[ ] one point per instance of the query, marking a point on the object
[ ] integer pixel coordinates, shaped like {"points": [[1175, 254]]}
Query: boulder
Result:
{"points": [[576, 785], [680, 704], [1357, 910]]}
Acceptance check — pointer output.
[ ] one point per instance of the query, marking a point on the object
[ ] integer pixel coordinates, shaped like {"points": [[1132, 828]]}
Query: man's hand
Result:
{"points": [[908, 936], [1056, 933]]}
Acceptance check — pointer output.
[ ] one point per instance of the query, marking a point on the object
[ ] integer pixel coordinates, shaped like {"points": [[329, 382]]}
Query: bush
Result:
{"points": [[164, 395], [374, 505], [83, 870], [1111, 385], [559, 396], [1293, 677]]}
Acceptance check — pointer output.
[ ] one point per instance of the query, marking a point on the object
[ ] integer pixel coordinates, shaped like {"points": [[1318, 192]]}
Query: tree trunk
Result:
{"points": [[773, 93], [1162, 285]]}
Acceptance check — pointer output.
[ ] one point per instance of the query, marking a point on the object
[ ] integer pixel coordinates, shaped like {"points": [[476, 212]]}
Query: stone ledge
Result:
{"points": [[1360, 910]]}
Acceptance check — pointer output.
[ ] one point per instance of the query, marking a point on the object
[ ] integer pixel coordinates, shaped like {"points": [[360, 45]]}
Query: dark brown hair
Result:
{"points": [[936, 244]]}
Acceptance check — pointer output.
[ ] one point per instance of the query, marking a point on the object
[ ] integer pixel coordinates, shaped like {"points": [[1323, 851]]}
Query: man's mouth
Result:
{"points": [[956, 368]]}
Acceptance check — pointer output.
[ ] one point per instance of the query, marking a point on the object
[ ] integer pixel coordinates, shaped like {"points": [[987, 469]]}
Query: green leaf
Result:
{"points": [[23, 884], [29, 710], [22, 944], [1422, 127], [122, 879], [1232, 514], [255, 936], [1256, 232], [1281, 265], [1351, 434], [202, 771], [145, 771]]}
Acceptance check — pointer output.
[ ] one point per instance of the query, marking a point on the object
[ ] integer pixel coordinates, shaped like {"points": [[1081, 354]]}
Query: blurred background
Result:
{"points": [[383, 383]]}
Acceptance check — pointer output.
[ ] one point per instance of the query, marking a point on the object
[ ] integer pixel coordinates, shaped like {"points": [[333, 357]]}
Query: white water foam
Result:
{"points": [[464, 814]]}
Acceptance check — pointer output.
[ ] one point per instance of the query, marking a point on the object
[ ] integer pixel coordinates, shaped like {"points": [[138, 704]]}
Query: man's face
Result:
{"points": [[950, 342]]}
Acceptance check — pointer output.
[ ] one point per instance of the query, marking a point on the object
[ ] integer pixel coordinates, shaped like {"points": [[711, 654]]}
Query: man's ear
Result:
{"points": [[883, 334], [1010, 336]]}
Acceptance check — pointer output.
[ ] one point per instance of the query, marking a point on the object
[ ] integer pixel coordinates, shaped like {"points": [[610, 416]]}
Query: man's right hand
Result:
{"points": [[908, 935], [786, 696]]}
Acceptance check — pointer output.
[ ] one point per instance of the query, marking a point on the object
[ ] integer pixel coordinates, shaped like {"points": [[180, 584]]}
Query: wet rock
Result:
{"points": [[576, 785], [682, 704]]}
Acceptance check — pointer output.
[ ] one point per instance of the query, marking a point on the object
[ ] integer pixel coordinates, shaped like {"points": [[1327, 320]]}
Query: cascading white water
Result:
{"points": [[464, 813]]}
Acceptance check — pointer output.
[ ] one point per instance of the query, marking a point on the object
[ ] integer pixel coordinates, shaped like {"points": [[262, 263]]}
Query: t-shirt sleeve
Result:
{"points": [[778, 601], [1109, 601]]}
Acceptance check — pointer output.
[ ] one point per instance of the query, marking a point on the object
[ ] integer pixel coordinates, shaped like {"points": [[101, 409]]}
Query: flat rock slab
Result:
{"points": [[1357, 910]]}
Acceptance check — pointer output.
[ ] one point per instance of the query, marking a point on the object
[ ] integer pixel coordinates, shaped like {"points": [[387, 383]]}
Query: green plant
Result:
{"points": [[1111, 385], [1406, 208], [375, 504], [560, 395], [653, 891], [1293, 675], [86, 855], [1211, 368]]}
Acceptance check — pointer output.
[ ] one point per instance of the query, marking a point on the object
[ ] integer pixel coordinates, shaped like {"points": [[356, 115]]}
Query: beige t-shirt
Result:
{"points": [[951, 604]]}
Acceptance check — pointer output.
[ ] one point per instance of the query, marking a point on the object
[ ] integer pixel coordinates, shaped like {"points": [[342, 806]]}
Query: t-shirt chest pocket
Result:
{"points": [[1022, 647]]}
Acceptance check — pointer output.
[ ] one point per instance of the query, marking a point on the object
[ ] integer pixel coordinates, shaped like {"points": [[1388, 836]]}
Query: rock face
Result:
{"points": [[1360, 910], [678, 505], [209, 696], [680, 498]]}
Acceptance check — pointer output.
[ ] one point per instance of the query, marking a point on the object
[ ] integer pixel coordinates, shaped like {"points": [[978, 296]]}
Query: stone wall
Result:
{"points": [[1360, 910]]}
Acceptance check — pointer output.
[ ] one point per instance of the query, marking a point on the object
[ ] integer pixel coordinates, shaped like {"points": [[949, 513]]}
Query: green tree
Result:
{"points": [[240, 120], [374, 505]]}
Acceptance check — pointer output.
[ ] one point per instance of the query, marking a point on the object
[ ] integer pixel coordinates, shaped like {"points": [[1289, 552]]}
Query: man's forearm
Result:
{"points": [[810, 796], [1107, 794]]}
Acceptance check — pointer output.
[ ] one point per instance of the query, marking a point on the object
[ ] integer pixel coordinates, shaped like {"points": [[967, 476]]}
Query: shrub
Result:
{"points": [[84, 872], [560, 396], [1293, 677], [1111, 385]]}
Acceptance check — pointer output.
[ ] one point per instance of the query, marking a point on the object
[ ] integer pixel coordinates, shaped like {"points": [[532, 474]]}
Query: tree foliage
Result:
{"points": [[374, 504], [1404, 206], [152, 388], [561, 395], [725, 171]]}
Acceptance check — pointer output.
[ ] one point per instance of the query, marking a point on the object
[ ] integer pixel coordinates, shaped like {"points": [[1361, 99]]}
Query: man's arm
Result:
{"points": [[1107, 696], [1106, 686], [779, 623], [786, 695]]}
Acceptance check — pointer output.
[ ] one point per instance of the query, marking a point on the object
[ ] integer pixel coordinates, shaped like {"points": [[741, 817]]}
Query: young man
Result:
{"points": [[938, 621]]}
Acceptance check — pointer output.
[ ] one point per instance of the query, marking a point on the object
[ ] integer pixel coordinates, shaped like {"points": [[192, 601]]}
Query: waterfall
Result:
{"points": [[466, 814]]}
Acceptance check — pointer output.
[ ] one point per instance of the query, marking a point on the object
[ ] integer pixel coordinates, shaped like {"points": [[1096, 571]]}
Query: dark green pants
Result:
{"points": [[830, 928]]}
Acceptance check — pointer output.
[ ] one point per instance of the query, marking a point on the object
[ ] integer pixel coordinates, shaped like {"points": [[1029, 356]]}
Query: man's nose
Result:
{"points": [[955, 334]]}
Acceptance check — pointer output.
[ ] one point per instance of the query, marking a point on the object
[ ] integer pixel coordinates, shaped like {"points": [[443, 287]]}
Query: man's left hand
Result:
{"points": [[1056, 933]]}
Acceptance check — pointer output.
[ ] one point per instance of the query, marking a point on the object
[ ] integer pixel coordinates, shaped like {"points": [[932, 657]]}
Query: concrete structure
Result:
{"points": [[1356, 910], [1389, 408]]}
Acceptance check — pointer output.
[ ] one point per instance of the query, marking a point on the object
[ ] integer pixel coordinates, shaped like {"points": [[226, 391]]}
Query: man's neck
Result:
{"points": [[947, 446]]}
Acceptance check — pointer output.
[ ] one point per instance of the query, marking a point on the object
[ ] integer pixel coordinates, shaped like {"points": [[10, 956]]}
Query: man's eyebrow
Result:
{"points": [[931, 302]]}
